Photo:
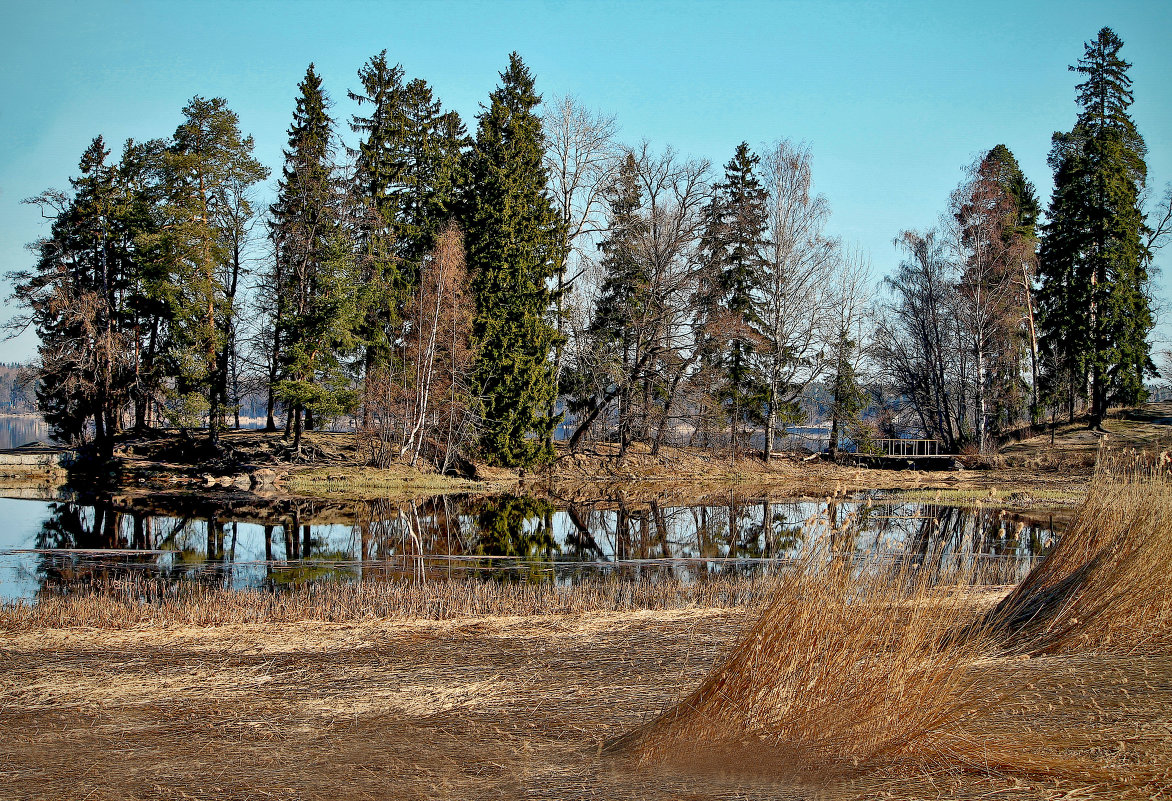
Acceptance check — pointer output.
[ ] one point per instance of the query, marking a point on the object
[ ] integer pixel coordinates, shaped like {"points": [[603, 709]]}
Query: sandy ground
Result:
{"points": [[475, 708]]}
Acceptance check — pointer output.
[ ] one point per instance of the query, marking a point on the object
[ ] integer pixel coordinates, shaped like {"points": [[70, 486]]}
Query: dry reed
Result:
{"points": [[123, 602], [843, 671], [1107, 583]]}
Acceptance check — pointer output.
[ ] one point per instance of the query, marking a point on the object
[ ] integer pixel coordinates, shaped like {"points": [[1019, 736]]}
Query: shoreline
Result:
{"points": [[1048, 473], [153, 467]]}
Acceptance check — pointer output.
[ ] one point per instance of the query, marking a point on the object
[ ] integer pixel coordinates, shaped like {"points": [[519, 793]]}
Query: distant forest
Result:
{"points": [[446, 293], [16, 396]]}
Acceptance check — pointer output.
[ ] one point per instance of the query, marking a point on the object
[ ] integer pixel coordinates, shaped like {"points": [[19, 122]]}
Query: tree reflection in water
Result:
{"points": [[514, 538]]}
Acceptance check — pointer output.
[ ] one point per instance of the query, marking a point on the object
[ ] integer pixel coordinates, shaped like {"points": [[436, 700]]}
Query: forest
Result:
{"points": [[446, 294]]}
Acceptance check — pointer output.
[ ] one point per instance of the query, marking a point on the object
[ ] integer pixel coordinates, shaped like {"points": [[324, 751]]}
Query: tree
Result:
{"points": [[377, 172], [622, 341], [849, 339], [733, 247], [313, 373], [81, 300], [209, 167], [309, 241], [794, 304], [1094, 307], [408, 176], [513, 237], [917, 342], [438, 354], [581, 160], [657, 245], [991, 224]]}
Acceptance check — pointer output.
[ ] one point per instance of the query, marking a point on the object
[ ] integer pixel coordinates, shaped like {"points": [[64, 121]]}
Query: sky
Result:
{"points": [[894, 99]]}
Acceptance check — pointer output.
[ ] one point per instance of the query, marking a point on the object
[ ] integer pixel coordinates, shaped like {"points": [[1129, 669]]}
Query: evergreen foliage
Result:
{"points": [[315, 280], [1095, 312], [377, 171], [425, 287], [617, 329], [512, 238], [733, 252], [208, 169], [408, 175]]}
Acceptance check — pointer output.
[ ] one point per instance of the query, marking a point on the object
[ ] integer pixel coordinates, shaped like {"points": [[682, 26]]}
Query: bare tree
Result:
{"points": [[917, 340], [580, 159], [849, 339], [794, 302], [673, 191], [425, 401]]}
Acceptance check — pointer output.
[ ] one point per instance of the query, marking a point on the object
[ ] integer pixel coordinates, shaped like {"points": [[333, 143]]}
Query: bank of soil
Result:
{"points": [[475, 708]]}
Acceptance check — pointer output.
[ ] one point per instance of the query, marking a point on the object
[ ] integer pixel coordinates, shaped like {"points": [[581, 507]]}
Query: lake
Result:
{"points": [[17, 430], [54, 547]]}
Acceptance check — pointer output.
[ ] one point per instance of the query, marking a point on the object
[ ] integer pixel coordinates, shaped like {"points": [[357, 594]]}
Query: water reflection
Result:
{"points": [[21, 429], [67, 545]]}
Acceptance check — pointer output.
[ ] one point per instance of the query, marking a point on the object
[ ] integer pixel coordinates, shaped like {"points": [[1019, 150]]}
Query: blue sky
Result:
{"points": [[894, 99]]}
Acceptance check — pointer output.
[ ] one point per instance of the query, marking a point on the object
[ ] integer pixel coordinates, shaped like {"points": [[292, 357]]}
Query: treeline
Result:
{"points": [[16, 395], [451, 293]]}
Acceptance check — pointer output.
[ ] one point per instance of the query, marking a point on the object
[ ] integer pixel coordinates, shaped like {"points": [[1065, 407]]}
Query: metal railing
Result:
{"points": [[908, 447]]}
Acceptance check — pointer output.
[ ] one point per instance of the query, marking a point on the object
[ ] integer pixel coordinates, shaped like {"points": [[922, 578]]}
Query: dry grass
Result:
{"points": [[851, 672], [842, 672], [1107, 583], [122, 603], [899, 682]]}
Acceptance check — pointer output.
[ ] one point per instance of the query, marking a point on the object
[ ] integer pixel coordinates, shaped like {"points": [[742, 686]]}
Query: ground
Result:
{"points": [[473, 708]]}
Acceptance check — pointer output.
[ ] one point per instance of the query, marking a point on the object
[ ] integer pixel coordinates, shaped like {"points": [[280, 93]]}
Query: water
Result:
{"points": [[17, 430], [59, 546]]}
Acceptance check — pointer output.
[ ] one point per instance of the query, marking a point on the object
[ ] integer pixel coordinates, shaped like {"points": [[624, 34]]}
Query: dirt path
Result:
{"points": [[478, 708]]}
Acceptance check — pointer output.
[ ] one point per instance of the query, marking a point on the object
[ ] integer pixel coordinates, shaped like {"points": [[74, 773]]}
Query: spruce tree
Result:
{"points": [[1095, 315], [732, 247], [313, 280], [378, 171], [617, 329], [512, 240], [408, 173]]}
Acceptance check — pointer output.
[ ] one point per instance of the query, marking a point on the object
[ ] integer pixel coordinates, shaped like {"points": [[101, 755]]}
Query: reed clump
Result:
{"points": [[133, 601], [900, 670], [1107, 584], [844, 671]]}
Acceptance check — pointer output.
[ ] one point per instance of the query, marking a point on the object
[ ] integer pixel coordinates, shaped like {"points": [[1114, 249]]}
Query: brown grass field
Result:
{"points": [[488, 708]]}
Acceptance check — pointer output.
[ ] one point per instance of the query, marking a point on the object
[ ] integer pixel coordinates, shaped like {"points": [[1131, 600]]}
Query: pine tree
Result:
{"points": [[512, 239], [732, 247], [1095, 314], [209, 167], [91, 296]]}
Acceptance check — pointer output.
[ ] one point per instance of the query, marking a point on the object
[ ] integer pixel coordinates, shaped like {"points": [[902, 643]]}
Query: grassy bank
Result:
{"points": [[333, 465]]}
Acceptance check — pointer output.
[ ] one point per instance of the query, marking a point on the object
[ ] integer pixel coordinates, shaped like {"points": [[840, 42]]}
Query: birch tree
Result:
{"points": [[794, 302]]}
